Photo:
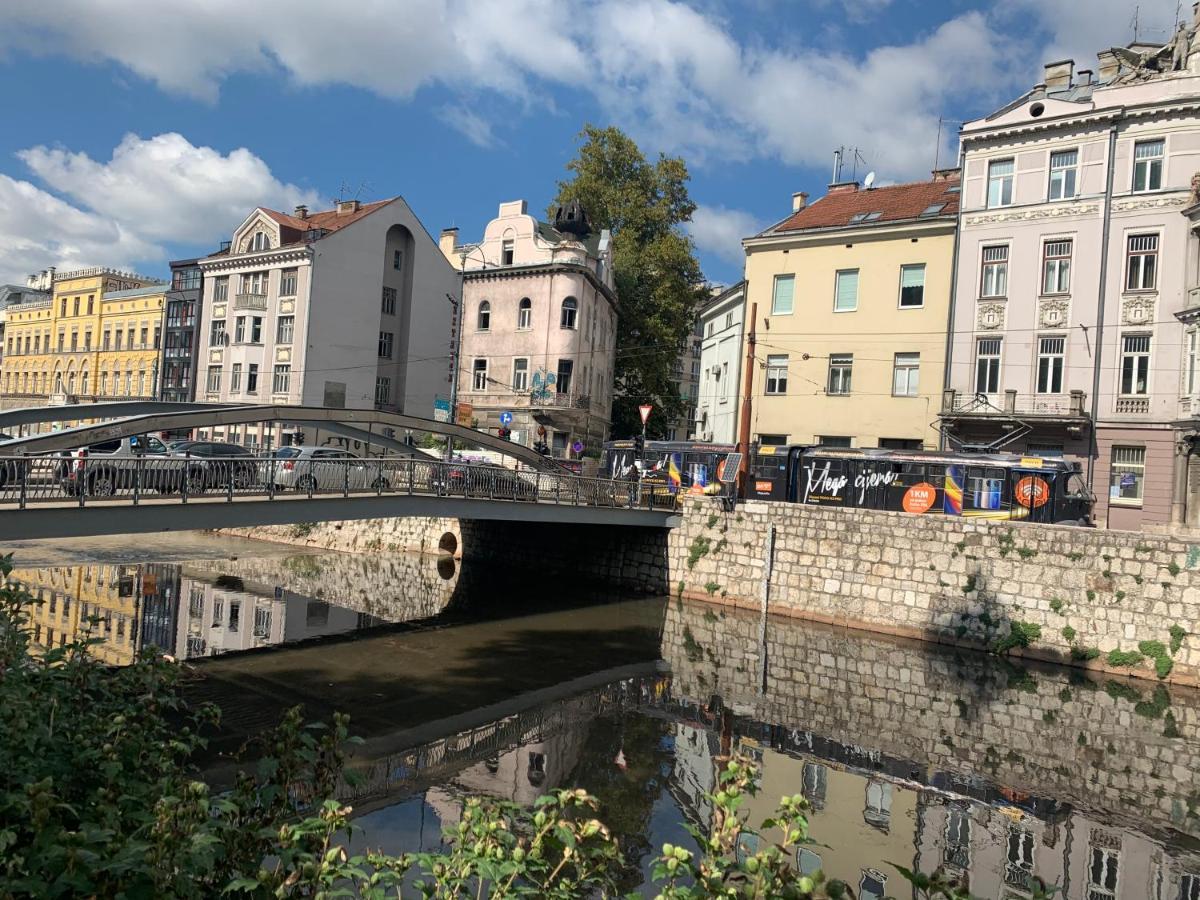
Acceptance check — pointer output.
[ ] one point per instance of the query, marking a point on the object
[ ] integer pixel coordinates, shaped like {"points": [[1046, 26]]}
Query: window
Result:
{"points": [[566, 368], [383, 389], [1000, 183], [281, 381], [235, 378], [214, 379], [872, 885], [221, 289], [1142, 265], [385, 344], [255, 282], [287, 283], [1056, 267], [398, 260], [157, 336], [956, 850], [1064, 167], [845, 292], [91, 302], [912, 286], [252, 378], [1050, 365], [87, 340], [1102, 874], [260, 241], [284, 329], [74, 340], [389, 301], [569, 309], [479, 375], [1148, 165], [216, 334], [987, 365], [256, 329], [777, 374], [840, 367], [1126, 474], [886, 443], [1135, 364], [520, 380], [75, 307], [1189, 887], [506, 253], [781, 300], [484, 320], [184, 279], [1019, 869], [1189, 378], [524, 314], [906, 370], [239, 330]]}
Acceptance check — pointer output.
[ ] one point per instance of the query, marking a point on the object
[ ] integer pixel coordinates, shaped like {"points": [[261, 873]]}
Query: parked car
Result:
{"points": [[221, 461], [480, 480], [324, 469], [108, 467]]}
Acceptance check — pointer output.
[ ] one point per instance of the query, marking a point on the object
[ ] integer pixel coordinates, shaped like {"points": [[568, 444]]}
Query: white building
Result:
{"points": [[721, 321], [347, 307], [539, 328]]}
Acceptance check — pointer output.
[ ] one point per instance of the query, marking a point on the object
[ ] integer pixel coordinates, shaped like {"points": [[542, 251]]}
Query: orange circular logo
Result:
{"points": [[1032, 491], [920, 498]]}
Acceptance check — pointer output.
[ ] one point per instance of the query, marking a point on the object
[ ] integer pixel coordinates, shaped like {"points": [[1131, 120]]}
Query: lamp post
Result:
{"points": [[456, 350]]}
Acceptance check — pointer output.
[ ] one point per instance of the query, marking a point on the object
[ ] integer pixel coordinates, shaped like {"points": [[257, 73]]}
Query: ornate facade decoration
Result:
{"points": [[991, 316], [1137, 309], [1053, 313], [1137, 203], [1057, 211]]}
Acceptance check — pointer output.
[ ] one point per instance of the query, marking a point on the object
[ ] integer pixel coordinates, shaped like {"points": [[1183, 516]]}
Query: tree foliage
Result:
{"points": [[659, 282]]}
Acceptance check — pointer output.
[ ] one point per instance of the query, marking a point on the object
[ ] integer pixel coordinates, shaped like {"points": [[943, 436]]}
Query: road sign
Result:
{"points": [[505, 419], [577, 446], [466, 415], [645, 411], [441, 410]]}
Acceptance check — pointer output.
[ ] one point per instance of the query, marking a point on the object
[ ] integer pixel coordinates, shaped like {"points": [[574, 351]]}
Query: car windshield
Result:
{"points": [[286, 453], [180, 445], [154, 445]]}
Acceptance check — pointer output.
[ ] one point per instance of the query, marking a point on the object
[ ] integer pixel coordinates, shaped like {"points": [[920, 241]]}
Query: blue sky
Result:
{"points": [[147, 131]]}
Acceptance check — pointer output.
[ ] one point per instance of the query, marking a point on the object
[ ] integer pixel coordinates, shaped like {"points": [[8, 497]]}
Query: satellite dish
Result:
{"points": [[869, 180]]}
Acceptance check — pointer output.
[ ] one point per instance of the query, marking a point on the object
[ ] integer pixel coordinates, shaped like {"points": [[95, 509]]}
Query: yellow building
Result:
{"points": [[96, 337], [852, 296]]}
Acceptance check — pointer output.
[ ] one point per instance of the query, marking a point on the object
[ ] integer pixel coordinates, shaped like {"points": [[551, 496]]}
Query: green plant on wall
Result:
{"points": [[1068, 633], [1123, 659], [1177, 635], [1020, 634], [699, 549]]}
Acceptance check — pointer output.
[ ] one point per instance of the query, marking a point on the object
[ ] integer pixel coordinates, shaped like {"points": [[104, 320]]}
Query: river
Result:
{"points": [[465, 681]]}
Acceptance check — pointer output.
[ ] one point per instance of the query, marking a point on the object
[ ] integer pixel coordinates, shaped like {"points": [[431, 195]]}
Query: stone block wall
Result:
{"points": [[393, 535], [1080, 593]]}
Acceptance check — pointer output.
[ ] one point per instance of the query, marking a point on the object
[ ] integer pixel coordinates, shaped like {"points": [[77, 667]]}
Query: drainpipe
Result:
{"points": [[747, 391], [953, 287], [1108, 192]]}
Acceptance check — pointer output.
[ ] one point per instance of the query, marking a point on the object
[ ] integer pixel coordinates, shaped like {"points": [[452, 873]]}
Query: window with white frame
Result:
{"points": [[252, 378], [569, 312], [906, 370], [841, 367], [284, 329], [281, 381], [483, 321], [255, 282], [845, 292], [994, 281], [1148, 165], [1103, 873], [524, 314], [520, 381], [1051, 356], [912, 286], [235, 378], [1064, 173], [479, 375], [1056, 267], [221, 289], [507, 252], [389, 301], [383, 389], [987, 365], [1189, 370], [777, 374], [1135, 364], [957, 848], [239, 330], [783, 295], [1000, 183], [1141, 266], [386, 339], [1021, 844], [216, 334], [260, 241], [1126, 474], [1189, 887], [398, 260], [287, 283]]}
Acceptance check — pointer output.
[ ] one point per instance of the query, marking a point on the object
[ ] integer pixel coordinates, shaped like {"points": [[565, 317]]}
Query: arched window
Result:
{"points": [[525, 314], [484, 322], [260, 241], [83, 386], [570, 307]]}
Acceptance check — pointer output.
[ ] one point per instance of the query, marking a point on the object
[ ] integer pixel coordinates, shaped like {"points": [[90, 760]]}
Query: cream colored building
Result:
{"points": [[850, 301]]}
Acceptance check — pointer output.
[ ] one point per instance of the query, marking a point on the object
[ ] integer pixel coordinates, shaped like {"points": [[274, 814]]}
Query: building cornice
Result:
{"points": [[254, 260], [501, 273], [887, 231], [1105, 116]]}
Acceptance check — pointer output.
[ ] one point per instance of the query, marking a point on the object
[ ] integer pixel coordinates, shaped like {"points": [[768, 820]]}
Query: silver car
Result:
{"points": [[324, 469]]}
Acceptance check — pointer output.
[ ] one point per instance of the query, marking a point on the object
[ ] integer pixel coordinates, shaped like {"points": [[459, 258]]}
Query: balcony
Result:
{"points": [[556, 400], [528, 400], [1068, 408], [249, 301], [1132, 405], [1018, 875]]}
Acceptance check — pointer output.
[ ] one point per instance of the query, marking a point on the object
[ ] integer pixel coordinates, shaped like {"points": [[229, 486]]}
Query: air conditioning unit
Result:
{"points": [[716, 370]]}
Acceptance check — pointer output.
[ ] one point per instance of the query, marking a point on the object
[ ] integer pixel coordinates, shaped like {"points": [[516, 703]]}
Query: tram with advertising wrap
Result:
{"points": [[678, 466], [1005, 486]]}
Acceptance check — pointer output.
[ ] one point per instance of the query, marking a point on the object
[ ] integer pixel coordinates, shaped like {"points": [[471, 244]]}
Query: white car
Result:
{"points": [[324, 469]]}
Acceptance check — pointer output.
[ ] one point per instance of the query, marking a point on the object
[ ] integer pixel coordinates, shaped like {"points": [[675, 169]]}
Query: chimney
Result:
{"points": [[1085, 76], [301, 212], [842, 187], [346, 207], [799, 201], [944, 174], [1109, 66], [448, 244], [1058, 74]]}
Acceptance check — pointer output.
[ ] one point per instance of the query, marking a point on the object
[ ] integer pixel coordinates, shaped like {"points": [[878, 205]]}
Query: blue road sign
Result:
{"points": [[505, 419]]}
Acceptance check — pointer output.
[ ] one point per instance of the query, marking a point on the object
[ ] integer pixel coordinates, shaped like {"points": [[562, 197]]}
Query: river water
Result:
{"points": [[467, 681]]}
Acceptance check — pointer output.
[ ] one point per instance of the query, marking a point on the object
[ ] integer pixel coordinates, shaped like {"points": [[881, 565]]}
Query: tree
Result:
{"points": [[659, 282]]}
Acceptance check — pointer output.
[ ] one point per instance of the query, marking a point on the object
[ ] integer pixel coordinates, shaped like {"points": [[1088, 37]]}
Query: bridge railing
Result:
{"points": [[96, 479]]}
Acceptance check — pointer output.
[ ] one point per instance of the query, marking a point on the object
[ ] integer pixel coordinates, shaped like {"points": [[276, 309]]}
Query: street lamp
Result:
{"points": [[456, 350]]}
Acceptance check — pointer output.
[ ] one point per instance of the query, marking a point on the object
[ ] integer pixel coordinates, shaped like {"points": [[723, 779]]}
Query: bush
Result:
{"points": [[1020, 634]]}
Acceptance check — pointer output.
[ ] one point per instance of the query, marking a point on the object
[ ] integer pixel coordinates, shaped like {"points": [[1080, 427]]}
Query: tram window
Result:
{"points": [[985, 488], [1076, 486]]}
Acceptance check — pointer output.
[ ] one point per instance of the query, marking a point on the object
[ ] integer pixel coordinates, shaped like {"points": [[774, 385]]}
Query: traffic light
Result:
{"points": [[505, 434], [639, 443], [542, 448]]}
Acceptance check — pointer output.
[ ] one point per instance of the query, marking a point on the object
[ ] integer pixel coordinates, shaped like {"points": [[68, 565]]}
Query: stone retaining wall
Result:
{"points": [[394, 535], [953, 580]]}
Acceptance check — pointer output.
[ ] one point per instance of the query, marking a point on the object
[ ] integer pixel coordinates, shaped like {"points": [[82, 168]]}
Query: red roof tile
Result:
{"points": [[328, 219], [894, 203]]}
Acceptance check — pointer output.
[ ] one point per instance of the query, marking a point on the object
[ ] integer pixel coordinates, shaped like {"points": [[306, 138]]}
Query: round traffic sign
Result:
{"points": [[506, 418]]}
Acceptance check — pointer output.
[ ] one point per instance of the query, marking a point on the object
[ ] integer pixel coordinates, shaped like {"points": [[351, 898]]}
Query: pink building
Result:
{"points": [[539, 328], [1070, 330]]}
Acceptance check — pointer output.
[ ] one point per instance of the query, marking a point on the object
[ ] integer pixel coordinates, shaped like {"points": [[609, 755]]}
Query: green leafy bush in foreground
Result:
{"points": [[98, 798]]}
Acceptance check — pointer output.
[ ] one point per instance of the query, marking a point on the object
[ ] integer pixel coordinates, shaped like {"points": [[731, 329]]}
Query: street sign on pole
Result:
{"points": [[506, 419], [441, 410], [645, 411], [577, 446]]}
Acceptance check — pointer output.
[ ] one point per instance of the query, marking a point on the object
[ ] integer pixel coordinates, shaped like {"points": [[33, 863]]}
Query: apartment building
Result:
{"points": [[685, 380], [850, 298], [181, 332], [1075, 316], [721, 321], [346, 307], [539, 328]]}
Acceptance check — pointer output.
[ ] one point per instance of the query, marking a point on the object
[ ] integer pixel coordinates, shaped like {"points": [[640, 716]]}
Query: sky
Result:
{"points": [[142, 132]]}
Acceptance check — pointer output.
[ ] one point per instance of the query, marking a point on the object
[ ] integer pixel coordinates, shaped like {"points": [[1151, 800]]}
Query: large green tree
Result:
{"points": [[659, 282]]}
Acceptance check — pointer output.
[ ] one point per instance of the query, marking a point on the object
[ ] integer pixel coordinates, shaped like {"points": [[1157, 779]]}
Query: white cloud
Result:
{"points": [[467, 122], [122, 211], [719, 231]]}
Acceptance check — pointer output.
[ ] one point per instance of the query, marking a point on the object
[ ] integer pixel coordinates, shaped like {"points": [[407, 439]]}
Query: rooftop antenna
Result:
{"points": [[937, 150], [858, 158], [1137, 14]]}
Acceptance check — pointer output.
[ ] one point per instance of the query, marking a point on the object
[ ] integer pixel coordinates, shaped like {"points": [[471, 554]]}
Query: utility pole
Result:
{"points": [[747, 393]]}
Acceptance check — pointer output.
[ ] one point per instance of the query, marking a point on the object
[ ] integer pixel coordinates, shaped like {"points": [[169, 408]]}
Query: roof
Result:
{"points": [[326, 219], [552, 235], [851, 207], [146, 291]]}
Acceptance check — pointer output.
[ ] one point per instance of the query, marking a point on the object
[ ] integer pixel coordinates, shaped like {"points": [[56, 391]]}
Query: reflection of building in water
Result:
{"points": [[132, 605], [694, 774], [525, 773]]}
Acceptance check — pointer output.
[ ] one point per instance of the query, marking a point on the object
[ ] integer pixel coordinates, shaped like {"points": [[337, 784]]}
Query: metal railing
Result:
{"points": [[1010, 402], [249, 301], [96, 478]]}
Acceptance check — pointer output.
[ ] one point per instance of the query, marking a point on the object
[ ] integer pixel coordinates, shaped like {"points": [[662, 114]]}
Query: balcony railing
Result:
{"points": [[557, 400], [1017, 875], [1133, 405], [528, 400], [1009, 403], [249, 301]]}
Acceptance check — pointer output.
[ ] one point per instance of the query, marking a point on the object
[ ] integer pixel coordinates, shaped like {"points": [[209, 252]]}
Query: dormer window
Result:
{"points": [[506, 253], [260, 241]]}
